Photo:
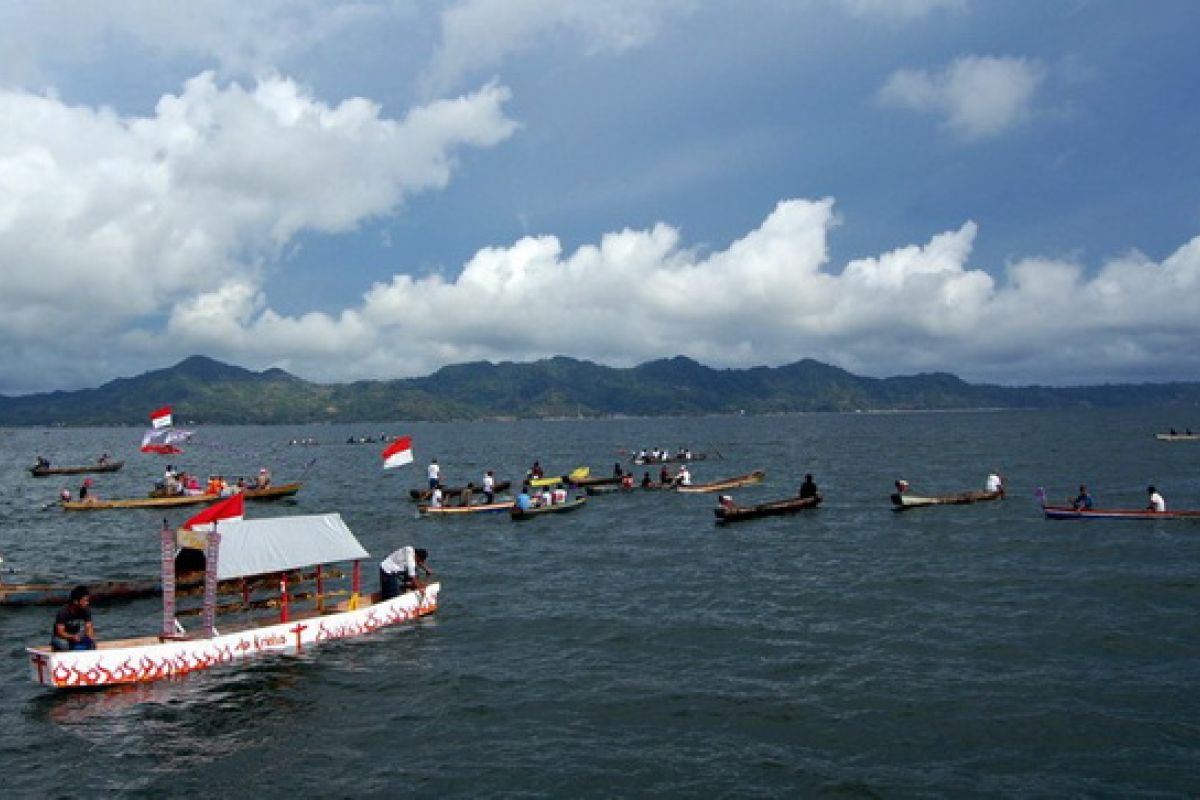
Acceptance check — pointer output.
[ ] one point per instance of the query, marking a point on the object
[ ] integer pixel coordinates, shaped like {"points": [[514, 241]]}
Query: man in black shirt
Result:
{"points": [[73, 623]]}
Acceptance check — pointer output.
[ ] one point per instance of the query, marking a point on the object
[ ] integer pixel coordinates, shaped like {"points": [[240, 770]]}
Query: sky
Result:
{"points": [[374, 189]]}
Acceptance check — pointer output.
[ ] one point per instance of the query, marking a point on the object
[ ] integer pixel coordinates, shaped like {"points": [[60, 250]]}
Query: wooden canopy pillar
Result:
{"points": [[167, 543]]}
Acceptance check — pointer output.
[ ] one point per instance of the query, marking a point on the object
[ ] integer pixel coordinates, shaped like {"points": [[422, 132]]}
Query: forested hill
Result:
{"points": [[202, 390]]}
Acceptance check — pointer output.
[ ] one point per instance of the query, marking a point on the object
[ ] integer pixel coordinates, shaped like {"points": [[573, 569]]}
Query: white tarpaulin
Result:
{"points": [[258, 546]]}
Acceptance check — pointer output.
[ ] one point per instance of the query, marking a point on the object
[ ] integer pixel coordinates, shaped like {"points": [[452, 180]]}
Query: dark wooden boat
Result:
{"points": [[595, 480], [553, 508], [108, 466], [749, 478], [904, 500], [422, 495], [790, 505], [270, 493], [1068, 512]]}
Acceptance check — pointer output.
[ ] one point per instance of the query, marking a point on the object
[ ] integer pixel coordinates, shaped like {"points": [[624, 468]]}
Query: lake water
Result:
{"points": [[634, 648]]}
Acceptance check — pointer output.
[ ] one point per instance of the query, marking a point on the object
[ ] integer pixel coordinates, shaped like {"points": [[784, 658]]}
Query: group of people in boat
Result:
{"points": [[656, 454], [437, 492], [548, 496], [1084, 501], [177, 483]]}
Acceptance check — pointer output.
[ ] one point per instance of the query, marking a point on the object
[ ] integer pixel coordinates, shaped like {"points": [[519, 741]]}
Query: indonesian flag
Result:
{"points": [[398, 453], [230, 508], [161, 418]]}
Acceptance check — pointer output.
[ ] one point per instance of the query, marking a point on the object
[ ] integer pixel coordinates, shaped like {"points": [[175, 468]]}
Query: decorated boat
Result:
{"points": [[478, 508], [423, 495], [551, 508], [735, 482], [731, 512], [236, 550], [1069, 512], [45, 470], [903, 500]]}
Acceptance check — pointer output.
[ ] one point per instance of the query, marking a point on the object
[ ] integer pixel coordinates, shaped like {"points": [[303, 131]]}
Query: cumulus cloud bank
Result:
{"points": [[979, 96]]}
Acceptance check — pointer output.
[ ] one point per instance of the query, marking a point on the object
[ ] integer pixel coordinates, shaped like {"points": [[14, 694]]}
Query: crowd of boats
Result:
{"points": [[233, 568]]}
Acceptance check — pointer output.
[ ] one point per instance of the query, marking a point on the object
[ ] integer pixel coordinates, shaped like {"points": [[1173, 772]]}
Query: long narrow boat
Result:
{"points": [[1067, 512], [902, 500], [554, 508], [736, 513], [422, 495], [1177, 437], [247, 549], [108, 466], [480, 508], [269, 493], [748, 479]]}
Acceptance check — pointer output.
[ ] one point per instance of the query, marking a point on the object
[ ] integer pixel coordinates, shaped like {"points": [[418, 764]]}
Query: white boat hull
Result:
{"points": [[149, 659]]}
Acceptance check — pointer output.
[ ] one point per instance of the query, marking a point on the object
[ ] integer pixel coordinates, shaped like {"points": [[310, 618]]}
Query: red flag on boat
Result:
{"points": [[398, 453], [161, 418], [233, 507]]}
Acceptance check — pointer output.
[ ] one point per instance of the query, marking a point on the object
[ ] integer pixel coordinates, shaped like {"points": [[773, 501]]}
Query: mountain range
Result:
{"points": [[203, 390]]}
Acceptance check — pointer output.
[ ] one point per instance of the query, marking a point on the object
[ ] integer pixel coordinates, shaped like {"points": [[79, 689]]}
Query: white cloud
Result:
{"points": [[106, 221], [769, 298], [478, 35], [979, 96], [240, 38]]}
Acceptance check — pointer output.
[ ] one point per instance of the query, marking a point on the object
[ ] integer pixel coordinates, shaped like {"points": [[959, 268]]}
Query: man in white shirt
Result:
{"points": [[399, 572], [489, 487], [435, 474], [994, 482], [1157, 503]]}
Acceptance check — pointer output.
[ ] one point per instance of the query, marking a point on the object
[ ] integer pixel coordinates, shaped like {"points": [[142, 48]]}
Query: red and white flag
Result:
{"points": [[161, 418], [398, 453], [231, 508]]}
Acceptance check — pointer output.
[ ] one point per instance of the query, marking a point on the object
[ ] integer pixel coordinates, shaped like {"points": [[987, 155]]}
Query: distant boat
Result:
{"points": [[479, 508], [422, 495], [904, 500], [1177, 437], [736, 513], [553, 508], [172, 501], [1068, 512], [573, 476], [41, 471], [749, 478]]}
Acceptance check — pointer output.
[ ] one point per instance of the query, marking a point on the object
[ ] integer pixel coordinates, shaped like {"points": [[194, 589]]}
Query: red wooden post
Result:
{"points": [[283, 597], [356, 579]]}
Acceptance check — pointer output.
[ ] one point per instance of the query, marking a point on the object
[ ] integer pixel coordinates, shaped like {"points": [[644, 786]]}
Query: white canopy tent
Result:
{"points": [[260, 546]]}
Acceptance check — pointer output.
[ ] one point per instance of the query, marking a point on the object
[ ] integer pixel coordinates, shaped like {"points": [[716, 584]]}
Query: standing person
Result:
{"points": [[1157, 503], [489, 487], [400, 571], [809, 487], [435, 474], [73, 623], [994, 482], [84, 488], [1083, 500]]}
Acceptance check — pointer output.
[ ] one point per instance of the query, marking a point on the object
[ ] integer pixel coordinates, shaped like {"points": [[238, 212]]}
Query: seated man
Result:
{"points": [[73, 623]]}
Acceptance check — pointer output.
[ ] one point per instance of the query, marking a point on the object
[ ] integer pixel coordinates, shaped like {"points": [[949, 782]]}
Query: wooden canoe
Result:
{"points": [[481, 508], [554, 508], [42, 472], [270, 493], [905, 500], [422, 495], [1067, 512], [748, 479], [790, 505]]}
